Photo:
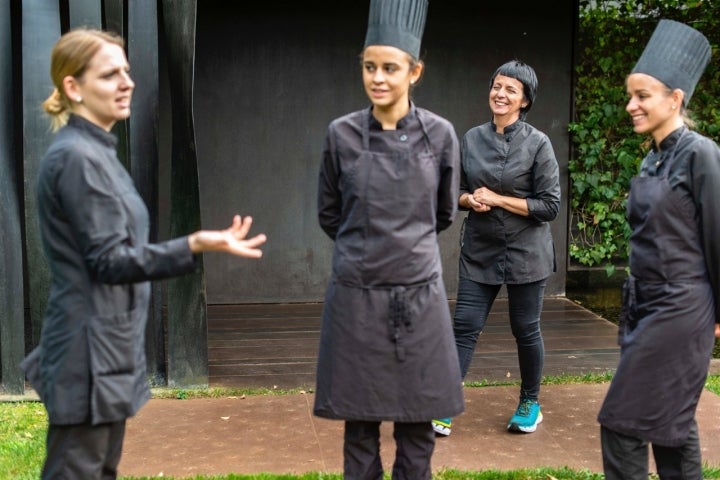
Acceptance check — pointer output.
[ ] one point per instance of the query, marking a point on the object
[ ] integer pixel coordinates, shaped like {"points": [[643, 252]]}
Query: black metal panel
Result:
{"points": [[40, 31], [84, 13], [114, 11], [269, 80], [143, 146], [12, 329], [115, 21], [187, 312]]}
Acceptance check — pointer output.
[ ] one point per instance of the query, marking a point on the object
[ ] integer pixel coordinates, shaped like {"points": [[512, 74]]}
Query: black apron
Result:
{"points": [[387, 350], [668, 317]]}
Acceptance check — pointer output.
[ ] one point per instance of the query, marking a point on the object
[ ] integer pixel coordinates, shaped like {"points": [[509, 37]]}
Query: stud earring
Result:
{"points": [[78, 99], [673, 107]]}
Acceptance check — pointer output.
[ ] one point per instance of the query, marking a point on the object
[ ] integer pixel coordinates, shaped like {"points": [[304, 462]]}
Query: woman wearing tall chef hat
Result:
{"points": [[670, 314], [388, 183]]}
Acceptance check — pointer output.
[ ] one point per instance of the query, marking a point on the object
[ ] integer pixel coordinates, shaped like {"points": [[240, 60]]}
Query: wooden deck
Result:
{"points": [[275, 345]]}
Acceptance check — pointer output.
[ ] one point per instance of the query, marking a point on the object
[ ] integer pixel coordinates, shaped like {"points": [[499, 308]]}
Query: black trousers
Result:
{"points": [[83, 452], [626, 458], [414, 443]]}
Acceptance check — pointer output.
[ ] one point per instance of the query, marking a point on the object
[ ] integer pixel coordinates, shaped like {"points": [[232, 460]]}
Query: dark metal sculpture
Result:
{"points": [[12, 329], [187, 309], [40, 31], [85, 13], [142, 47]]}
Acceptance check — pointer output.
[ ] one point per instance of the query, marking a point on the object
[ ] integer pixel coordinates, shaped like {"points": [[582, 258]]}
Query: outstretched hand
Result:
{"points": [[231, 240]]}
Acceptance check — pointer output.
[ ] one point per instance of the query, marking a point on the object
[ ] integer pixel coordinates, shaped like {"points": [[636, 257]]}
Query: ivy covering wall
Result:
{"points": [[606, 152]]}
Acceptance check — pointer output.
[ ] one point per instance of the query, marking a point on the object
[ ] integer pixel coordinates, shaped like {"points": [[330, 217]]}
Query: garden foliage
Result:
{"points": [[606, 152]]}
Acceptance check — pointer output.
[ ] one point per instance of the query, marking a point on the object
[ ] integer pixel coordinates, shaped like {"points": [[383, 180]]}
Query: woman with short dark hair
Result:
{"points": [[510, 185]]}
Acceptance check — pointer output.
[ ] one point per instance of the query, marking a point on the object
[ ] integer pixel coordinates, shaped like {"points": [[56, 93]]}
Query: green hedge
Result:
{"points": [[606, 152]]}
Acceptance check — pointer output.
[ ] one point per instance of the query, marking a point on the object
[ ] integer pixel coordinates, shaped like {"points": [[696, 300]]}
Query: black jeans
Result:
{"points": [[414, 443], [626, 458], [525, 301], [83, 451]]}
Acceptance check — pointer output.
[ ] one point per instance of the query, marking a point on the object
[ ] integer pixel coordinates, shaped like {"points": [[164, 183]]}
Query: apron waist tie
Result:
{"points": [[398, 315], [399, 312]]}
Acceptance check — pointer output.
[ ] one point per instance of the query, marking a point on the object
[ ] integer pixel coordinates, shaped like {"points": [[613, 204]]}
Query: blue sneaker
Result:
{"points": [[442, 426], [526, 418]]}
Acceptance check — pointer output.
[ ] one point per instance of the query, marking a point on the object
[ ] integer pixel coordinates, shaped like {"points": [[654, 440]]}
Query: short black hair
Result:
{"points": [[523, 73]]}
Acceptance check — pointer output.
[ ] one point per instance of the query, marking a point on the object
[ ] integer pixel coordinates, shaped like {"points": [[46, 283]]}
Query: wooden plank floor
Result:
{"points": [[275, 345]]}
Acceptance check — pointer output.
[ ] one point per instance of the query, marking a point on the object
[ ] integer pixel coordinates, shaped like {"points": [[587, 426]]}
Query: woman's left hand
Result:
{"points": [[717, 330], [231, 240], [515, 205], [486, 196]]}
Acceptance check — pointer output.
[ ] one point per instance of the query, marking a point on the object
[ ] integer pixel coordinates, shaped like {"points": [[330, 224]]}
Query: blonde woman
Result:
{"points": [[89, 369]]}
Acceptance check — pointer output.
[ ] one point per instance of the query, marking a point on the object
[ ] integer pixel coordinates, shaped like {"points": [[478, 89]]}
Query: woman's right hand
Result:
{"points": [[231, 240]]}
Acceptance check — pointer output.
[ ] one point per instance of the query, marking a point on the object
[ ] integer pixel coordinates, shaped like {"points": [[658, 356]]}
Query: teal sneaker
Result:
{"points": [[442, 426], [526, 418]]}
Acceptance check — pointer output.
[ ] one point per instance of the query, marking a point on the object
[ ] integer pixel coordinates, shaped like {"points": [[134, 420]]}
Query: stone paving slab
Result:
{"points": [[278, 434]]}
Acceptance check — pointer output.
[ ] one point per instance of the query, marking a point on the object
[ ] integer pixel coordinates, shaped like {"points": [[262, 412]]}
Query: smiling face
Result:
{"points": [[104, 89], [387, 76], [654, 108], [507, 98]]}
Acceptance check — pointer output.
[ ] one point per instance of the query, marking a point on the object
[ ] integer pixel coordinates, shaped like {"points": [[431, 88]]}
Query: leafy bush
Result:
{"points": [[606, 152]]}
